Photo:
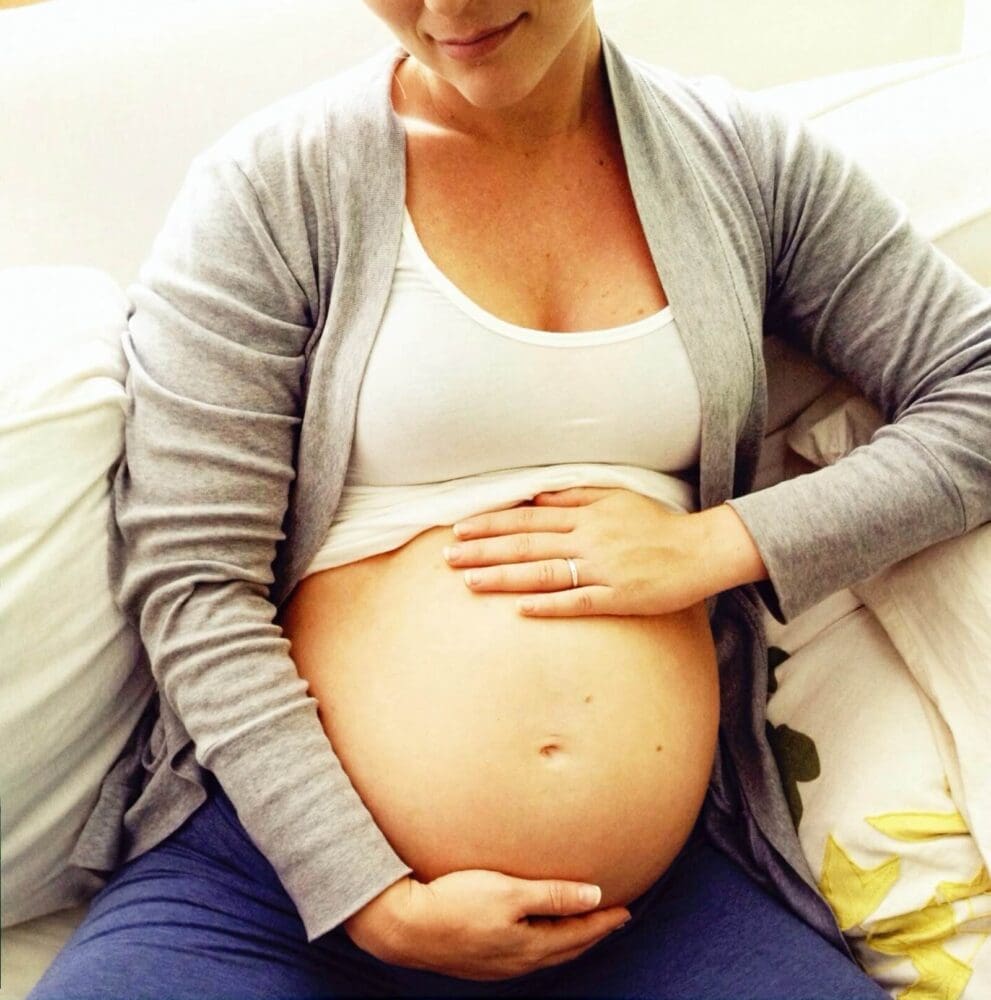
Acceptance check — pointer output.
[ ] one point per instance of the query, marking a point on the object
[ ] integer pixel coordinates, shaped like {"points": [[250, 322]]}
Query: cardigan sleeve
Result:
{"points": [[856, 286], [215, 341]]}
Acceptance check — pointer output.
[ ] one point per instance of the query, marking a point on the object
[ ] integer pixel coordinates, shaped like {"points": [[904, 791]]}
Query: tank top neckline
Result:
{"points": [[565, 338]]}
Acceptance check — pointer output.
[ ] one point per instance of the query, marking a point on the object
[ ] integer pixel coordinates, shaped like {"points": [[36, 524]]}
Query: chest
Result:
{"points": [[702, 231], [549, 242], [719, 331]]}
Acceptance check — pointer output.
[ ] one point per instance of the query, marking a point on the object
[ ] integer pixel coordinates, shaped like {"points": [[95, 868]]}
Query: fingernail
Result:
{"points": [[589, 895], [451, 551]]}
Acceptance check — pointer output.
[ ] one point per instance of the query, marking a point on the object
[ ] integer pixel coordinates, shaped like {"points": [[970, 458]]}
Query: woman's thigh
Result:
{"points": [[714, 933], [201, 916]]}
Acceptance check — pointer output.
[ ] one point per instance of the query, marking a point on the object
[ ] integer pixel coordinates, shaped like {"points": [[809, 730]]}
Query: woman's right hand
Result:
{"points": [[481, 925]]}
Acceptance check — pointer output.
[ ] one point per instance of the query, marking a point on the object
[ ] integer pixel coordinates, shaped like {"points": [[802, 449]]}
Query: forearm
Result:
{"points": [[731, 557], [856, 286], [215, 350], [190, 564]]}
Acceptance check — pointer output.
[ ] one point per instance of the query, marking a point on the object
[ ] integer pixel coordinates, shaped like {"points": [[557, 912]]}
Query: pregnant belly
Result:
{"points": [[575, 748]]}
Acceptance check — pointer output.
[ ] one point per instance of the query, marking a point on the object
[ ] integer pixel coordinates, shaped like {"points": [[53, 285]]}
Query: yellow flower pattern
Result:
{"points": [[854, 892], [911, 826]]}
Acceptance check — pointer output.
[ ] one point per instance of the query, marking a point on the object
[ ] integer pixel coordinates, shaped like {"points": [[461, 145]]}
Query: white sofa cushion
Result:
{"points": [[924, 133], [73, 687]]}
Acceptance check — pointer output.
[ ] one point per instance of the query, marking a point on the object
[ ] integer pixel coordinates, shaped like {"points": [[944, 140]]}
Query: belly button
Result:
{"points": [[549, 749]]}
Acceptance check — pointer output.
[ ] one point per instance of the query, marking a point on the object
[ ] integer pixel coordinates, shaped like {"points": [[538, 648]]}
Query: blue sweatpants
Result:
{"points": [[203, 916]]}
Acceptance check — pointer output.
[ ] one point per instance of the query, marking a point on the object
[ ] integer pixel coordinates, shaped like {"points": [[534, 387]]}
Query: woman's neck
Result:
{"points": [[572, 93]]}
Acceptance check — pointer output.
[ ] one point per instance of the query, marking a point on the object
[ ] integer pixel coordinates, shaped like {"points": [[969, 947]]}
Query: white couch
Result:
{"points": [[106, 101]]}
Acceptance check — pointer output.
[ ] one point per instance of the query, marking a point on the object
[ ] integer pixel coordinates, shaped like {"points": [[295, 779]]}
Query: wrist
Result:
{"points": [[377, 926], [730, 552]]}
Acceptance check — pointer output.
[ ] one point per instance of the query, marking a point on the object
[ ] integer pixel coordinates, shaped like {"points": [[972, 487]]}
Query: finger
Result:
{"points": [[567, 934], [566, 953], [576, 601], [572, 497], [544, 575], [560, 957], [498, 551], [515, 519], [552, 897]]}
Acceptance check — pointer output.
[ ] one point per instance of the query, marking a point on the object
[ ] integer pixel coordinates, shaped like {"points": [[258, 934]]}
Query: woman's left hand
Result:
{"points": [[634, 556]]}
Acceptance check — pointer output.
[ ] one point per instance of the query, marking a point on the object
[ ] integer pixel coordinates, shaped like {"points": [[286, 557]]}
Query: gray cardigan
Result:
{"points": [[252, 321]]}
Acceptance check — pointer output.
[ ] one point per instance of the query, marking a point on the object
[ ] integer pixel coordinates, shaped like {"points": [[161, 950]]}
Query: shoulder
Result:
{"points": [[295, 131], [703, 98], [708, 111]]}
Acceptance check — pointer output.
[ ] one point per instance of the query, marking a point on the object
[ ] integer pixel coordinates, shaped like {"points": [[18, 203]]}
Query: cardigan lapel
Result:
{"points": [[368, 198], [686, 249], [722, 329]]}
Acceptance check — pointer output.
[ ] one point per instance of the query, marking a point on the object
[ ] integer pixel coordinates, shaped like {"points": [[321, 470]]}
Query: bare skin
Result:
{"points": [[518, 189], [540, 232], [481, 739]]}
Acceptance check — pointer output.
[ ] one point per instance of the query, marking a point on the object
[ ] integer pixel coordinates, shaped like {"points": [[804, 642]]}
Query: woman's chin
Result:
{"points": [[484, 86]]}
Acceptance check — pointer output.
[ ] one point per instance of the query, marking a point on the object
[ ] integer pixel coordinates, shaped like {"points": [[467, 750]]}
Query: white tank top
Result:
{"points": [[461, 412]]}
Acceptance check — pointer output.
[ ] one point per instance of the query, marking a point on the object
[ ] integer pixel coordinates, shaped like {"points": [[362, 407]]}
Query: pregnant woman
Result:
{"points": [[436, 517]]}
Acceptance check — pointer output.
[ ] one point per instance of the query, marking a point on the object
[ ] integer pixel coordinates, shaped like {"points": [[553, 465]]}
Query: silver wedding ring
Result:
{"points": [[574, 570]]}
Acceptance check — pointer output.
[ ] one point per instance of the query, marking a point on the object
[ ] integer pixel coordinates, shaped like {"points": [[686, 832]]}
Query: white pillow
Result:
{"points": [[72, 688], [878, 714], [864, 762], [935, 607]]}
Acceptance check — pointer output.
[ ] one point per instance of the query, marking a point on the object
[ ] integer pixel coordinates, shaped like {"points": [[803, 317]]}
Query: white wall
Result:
{"points": [[759, 43], [977, 26]]}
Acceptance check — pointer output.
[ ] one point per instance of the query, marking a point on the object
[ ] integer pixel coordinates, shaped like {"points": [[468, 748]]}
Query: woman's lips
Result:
{"points": [[478, 45]]}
